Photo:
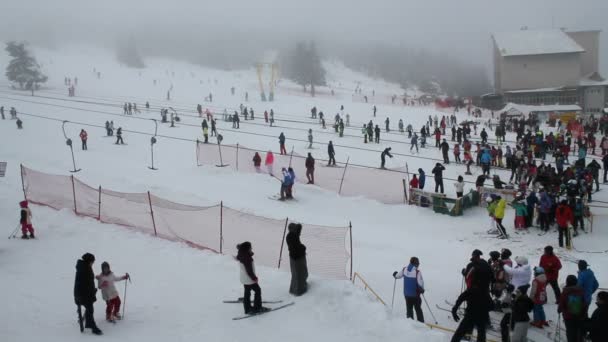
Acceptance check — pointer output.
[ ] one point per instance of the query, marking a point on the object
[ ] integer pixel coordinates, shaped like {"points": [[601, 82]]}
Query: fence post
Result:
{"points": [[343, 174], [74, 194], [23, 182], [197, 149], [350, 230], [152, 213], [221, 225], [283, 242], [291, 156], [407, 175], [99, 205], [237, 156]]}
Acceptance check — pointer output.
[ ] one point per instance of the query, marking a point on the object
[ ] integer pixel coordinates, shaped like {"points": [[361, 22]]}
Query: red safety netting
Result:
{"points": [[385, 186], [216, 228]]}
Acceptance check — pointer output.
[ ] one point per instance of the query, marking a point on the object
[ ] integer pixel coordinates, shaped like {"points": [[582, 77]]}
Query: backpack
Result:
{"points": [[575, 304]]}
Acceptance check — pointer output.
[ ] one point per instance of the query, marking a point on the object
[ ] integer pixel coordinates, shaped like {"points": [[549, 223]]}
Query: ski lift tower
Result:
{"points": [[269, 68]]}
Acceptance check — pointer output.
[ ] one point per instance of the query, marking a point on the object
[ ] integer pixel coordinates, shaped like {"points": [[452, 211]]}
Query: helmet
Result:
{"points": [[488, 199]]}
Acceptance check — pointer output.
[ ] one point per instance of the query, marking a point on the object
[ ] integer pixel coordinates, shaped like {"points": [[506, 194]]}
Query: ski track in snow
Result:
{"points": [[177, 291]]}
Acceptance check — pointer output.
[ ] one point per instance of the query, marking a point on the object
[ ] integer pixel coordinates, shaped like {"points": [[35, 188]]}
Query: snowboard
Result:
{"points": [[264, 312]]}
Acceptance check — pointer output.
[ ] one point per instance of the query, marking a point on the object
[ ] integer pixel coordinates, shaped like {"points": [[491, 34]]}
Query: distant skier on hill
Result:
{"points": [[331, 153], [310, 169]]}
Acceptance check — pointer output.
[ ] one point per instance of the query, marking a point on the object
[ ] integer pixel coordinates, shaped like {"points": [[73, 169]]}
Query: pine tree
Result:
{"points": [[304, 67], [23, 68], [128, 54]]}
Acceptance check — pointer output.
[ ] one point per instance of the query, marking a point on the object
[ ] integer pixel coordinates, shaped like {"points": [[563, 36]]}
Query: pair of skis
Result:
{"points": [[240, 300]]}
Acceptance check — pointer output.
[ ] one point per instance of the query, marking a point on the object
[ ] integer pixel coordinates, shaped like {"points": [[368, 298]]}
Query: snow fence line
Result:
{"points": [[329, 249], [343, 178]]}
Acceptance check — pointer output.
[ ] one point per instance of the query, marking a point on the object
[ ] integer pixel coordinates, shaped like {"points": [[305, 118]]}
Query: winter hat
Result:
{"points": [[88, 257], [295, 228], [603, 296], [494, 255], [506, 253], [476, 253], [549, 249], [582, 264], [414, 261], [23, 204], [539, 270], [571, 280], [245, 246], [521, 260]]}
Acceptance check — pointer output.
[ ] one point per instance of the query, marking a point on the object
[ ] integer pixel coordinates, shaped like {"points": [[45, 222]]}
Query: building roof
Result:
{"points": [[593, 79], [535, 42], [524, 109]]}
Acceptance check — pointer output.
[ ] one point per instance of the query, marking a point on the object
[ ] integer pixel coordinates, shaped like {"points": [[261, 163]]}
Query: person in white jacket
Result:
{"points": [[459, 187], [520, 274], [109, 293]]}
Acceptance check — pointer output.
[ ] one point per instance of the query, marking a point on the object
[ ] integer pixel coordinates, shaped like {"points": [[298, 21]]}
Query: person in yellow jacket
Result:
{"points": [[499, 214]]}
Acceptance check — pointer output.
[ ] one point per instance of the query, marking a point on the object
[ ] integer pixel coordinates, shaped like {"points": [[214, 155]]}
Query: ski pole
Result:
{"points": [[124, 305], [393, 300], [431, 311], [557, 336], [14, 232]]}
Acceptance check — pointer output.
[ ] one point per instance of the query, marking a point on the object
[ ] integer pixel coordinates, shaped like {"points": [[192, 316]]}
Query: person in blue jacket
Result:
{"points": [[421, 178], [486, 159], [531, 202], [587, 281], [413, 287], [286, 184], [544, 209]]}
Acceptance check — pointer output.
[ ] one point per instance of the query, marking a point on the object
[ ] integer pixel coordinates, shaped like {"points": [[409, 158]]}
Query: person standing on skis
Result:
{"points": [[105, 282], [386, 152], [413, 288], [282, 143], [249, 279], [332, 154], [310, 168]]}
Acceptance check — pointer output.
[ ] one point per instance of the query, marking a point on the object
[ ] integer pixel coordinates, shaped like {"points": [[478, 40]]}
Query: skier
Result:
{"points": [[573, 309], [386, 152], [551, 264], [268, 162], [438, 172], [563, 217], [108, 132], [413, 288], [249, 279], [125, 109], [499, 215], [445, 147], [377, 132], [587, 281], [538, 294], [13, 112], [477, 272], [484, 136], [235, 120], [282, 143], [386, 124], [459, 185], [83, 138], [105, 282], [476, 315], [414, 142], [286, 184], [266, 116], [257, 162], [310, 168], [421, 178], [26, 220], [297, 260], [119, 136], [374, 109], [310, 138], [84, 290], [332, 154]]}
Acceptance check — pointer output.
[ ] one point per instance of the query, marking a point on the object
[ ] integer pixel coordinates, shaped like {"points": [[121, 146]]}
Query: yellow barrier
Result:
{"points": [[367, 287]]}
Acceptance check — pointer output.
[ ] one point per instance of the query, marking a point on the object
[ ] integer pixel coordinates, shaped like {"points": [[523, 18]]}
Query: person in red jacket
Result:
{"points": [[414, 183], [563, 217], [551, 264], [83, 137]]}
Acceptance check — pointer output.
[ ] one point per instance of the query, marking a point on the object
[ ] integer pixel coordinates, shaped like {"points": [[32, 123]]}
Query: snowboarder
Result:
{"points": [[83, 138], [84, 290], [331, 153], [413, 288], [257, 162], [438, 172], [249, 279], [105, 282], [297, 260], [479, 304], [269, 161], [26, 220], [386, 152], [282, 143], [119, 136], [310, 168]]}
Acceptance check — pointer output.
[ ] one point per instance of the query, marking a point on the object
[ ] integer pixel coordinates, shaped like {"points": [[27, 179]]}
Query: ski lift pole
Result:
{"points": [[152, 142], [68, 142]]}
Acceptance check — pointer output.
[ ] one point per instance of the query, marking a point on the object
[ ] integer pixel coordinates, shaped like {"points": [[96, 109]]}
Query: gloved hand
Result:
{"points": [[421, 291], [127, 276], [463, 272], [395, 274], [455, 315]]}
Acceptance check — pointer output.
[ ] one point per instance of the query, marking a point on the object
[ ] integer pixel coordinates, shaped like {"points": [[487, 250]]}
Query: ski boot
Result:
{"points": [[96, 331], [32, 236], [117, 317], [24, 237]]}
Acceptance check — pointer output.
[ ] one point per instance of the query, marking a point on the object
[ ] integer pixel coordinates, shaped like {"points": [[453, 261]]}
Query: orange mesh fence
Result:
{"points": [[383, 185], [216, 228]]}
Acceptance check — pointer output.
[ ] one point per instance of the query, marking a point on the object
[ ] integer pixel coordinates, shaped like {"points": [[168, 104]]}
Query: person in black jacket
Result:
{"points": [[331, 153], [386, 152], [445, 148], [438, 172], [599, 328], [310, 168], [479, 304], [85, 290], [520, 319], [297, 260]]}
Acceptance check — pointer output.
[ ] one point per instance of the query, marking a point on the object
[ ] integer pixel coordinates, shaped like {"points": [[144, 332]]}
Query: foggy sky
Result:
{"points": [[456, 28]]}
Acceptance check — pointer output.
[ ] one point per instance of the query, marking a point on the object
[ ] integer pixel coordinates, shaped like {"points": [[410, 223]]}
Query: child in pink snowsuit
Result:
{"points": [[269, 161], [26, 220], [109, 293]]}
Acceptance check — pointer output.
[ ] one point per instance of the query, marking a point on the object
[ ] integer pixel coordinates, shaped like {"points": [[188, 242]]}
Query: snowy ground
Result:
{"points": [[38, 275]]}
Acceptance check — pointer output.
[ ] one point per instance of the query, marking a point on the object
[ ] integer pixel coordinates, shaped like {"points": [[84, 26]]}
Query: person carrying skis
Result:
{"points": [[438, 172], [26, 221], [413, 288], [297, 260], [551, 264], [573, 308], [269, 161], [538, 294], [83, 138], [84, 290], [331, 153], [282, 143], [476, 314], [310, 169], [257, 162], [119, 136], [249, 279], [105, 282], [386, 152]]}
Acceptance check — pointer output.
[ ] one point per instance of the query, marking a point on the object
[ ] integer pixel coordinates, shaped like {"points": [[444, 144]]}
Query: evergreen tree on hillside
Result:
{"points": [[304, 67], [128, 54], [23, 68]]}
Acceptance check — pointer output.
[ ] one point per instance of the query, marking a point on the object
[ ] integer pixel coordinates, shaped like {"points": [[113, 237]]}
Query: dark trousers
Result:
{"points": [[574, 330], [466, 325], [119, 140], [332, 160], [578, 220], [411, 304], [560, 238], [382, 162], [446, 159], [502, 228], [505, 327], [439, 184], [84, 145], [257, 297], [544, 221], [529, 216], [89, 320], [555, 287], [310, 174]]}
